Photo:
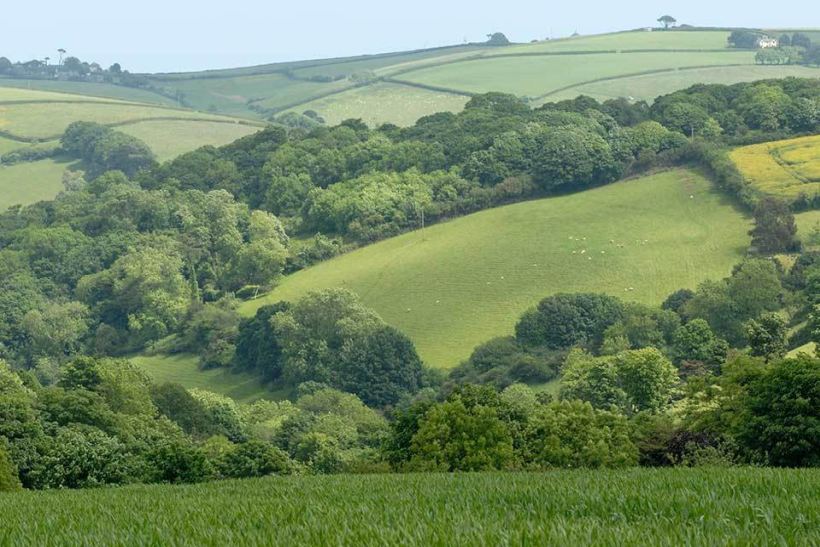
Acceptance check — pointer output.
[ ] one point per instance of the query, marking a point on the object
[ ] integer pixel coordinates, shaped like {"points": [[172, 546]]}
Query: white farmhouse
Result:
{"points": [[764, 42]]}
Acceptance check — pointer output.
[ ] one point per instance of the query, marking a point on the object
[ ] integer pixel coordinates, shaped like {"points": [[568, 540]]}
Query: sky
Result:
{"points": [[182, 35]]}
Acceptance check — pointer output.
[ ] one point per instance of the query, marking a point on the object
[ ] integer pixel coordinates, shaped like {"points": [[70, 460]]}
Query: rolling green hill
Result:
{"points": [[460, 283], [401, 87], [457, 284]]}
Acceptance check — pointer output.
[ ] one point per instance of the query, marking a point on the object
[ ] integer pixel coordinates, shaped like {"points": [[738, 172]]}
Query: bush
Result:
{"points": [[9, 479], [573, 434], [255, 459]]}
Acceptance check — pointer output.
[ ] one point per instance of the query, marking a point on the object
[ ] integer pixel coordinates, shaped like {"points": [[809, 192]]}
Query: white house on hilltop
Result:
{"points": [[765, 42]]}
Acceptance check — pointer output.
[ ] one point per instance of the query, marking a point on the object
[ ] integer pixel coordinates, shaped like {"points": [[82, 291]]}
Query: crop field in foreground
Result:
{"points": [[707, 506], [785, 169], [457, 284]]}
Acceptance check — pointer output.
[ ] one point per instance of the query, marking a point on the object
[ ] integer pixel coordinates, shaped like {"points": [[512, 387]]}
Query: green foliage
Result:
{"points": [[779, 415], [9, 481], [330, 337], [767, 336], [255, 459], [79, 457], [633, 381], [775, 230], [460, 435], [696, 342], [566, 320], [222, 412], [573, 434], [753, 288], [104, 149], [572, 158], [504, 361]]}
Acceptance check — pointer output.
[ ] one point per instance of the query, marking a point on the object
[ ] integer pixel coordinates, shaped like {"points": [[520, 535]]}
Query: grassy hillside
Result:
{"points": [[740, 506], [460, 283], [184, 369], [546, 70], [786, 169]]}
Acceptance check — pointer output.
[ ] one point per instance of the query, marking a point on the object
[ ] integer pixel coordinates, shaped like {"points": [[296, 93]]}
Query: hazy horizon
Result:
{"points": [[184, 36]]}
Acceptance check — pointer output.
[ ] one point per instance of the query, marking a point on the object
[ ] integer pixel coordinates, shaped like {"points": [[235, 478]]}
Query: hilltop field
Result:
{"points": [[401, 87], [637, 506]]}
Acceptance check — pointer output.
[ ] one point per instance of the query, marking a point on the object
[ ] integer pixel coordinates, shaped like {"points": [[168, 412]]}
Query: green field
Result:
{"points": [[184, 369], [688, 40], [741, 506], [535, 76], [170, 138], [26, 183], [384, 102], [649, 86], [89, 89], [457, 284], [47, 120]]}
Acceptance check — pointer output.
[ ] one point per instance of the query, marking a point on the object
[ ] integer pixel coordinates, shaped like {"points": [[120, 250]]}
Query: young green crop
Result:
{"points": [[631, 507]]}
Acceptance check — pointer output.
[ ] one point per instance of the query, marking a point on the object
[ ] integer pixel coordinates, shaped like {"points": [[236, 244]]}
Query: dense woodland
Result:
{"points": [[136, 255]]}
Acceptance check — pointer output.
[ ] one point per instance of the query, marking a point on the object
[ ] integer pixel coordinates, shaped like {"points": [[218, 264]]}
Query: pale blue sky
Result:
{"points": [[167, 35]]}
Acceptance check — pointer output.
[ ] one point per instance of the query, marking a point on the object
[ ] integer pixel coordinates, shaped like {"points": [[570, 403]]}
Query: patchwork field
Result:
{"points": [[536, 76], [38, 118], [786, 169], [604, 66], [48, 120], [460, 283], [739, 506]]}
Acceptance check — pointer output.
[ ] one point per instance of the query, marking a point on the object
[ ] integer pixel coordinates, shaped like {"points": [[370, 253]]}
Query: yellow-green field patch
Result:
{"points": [[786, 169], [457, 284]]}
